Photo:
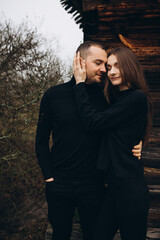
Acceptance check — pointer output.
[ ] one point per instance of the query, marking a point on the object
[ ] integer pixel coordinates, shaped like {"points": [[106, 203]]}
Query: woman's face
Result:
{"points": [[114, 74]]}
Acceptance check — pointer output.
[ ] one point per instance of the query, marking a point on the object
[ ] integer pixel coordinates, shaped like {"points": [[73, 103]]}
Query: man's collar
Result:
{"points": [[72, 82]]}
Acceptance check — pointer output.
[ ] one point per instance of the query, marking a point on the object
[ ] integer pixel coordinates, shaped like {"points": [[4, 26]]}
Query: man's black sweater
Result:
{"points": [[123, 125], [75, 150]]}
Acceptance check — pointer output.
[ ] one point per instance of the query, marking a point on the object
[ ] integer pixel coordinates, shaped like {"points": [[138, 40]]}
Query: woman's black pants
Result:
{"points": [[125, 207]]}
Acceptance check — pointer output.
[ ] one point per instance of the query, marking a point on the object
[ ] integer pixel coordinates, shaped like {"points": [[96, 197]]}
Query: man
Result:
{"points": [[69, 169]]}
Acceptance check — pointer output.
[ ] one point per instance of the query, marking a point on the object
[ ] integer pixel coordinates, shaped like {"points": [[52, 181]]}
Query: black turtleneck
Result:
{"points": [[122, 124], [74, 151]]}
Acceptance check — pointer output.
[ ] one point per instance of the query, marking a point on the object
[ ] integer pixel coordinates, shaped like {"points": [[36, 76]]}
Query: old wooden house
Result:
{"points": [[135, 24]]}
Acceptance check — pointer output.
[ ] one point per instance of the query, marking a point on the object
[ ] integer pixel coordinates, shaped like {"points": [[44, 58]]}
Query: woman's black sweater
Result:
{"points": [[123, 124]]}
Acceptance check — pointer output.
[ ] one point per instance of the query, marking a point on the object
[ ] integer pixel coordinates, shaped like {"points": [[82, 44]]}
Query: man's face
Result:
{"points": [[95, 64]]}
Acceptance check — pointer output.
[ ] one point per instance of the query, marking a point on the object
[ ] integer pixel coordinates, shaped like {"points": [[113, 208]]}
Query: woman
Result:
{"points": [[124, 124]]}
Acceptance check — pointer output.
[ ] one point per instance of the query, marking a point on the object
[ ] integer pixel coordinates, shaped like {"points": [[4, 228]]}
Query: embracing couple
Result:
{"points": [[97, 121]]}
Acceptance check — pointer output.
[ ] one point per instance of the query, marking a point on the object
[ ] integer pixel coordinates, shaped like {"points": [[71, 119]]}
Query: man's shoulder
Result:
{"points": [[56, 88]]}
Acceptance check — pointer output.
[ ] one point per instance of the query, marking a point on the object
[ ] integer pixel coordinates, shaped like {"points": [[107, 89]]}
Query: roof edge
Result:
{"points": [[73, 7]]}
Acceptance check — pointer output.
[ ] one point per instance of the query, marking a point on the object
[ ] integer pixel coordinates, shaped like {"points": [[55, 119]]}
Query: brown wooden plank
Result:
{"points": [[90, 4]]}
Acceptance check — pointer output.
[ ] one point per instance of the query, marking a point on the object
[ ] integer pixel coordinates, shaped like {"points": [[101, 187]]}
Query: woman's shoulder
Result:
{"points": [[139, 95], [133, 97], [130, 95], [138, 99]]}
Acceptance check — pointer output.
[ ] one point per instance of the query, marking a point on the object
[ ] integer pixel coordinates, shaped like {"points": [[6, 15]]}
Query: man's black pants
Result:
{"points": [[125, 207], [64, 194]]}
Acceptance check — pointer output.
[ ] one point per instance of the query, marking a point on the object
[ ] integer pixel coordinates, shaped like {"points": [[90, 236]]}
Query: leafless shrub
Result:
{"points": [[26, 71]]}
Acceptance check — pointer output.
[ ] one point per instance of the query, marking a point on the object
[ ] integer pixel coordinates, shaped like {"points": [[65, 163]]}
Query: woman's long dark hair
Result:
{"points": [[132, 76]]}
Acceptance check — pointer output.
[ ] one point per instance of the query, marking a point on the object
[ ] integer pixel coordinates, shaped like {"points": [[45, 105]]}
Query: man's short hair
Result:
{"points": [[84, 47]]}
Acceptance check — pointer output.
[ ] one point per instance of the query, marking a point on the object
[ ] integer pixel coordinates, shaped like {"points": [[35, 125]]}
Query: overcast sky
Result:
{"points": [[50, 18]]}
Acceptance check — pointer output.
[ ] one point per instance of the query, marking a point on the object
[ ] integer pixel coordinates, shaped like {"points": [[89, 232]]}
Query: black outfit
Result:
{"points": [[71, 160], [126, 201]]}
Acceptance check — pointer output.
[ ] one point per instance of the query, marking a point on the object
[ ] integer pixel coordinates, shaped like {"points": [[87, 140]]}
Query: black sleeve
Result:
{"points": [[44, 128], [119, 113]]}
